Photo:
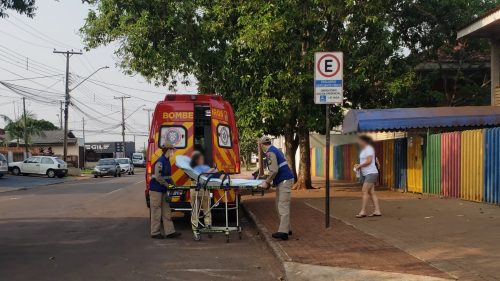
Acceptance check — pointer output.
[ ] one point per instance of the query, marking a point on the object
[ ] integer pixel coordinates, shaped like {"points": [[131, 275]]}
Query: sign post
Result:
{"points": [[328, 90]]}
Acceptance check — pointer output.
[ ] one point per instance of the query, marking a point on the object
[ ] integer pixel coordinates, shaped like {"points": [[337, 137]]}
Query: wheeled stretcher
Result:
{"points": [[209, 182]]}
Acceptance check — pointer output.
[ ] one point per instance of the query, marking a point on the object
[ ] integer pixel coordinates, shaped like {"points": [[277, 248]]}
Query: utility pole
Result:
{"points": [[68, 54], [60, 114], [83, 130], [123, 122], [149, 116], [25, 127]]}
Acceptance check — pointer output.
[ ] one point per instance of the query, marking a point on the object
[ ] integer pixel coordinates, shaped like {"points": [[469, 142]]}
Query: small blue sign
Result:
{"points": [[328, 83], [322, 98]]}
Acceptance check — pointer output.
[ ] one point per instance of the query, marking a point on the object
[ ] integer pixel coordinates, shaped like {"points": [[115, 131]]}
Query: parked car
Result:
{"points": [[4, 166], [41, 165], [107, 167], [126, 165], [138, 159]]}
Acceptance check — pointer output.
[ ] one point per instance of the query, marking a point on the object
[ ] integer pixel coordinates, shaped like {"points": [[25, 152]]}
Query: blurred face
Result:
{"points": [[200, 160], [264, 147], [169, 152], [362, 143]]}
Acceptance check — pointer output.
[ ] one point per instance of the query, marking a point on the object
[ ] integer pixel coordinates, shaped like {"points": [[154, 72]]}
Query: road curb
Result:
{"points": [[280, 254]]}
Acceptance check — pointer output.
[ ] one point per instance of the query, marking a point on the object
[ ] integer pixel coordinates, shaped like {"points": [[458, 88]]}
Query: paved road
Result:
{"points": [[97, 229], [8, 182]]}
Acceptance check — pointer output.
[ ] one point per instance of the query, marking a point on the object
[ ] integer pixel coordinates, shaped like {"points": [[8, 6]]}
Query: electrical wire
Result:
{"points": [[32, 78]]}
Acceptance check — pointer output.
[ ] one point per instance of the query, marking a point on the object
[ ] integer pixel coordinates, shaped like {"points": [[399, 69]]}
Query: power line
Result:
{"points": [[26, 41], [120, 92], [126, 87], [43, 34], [32, 61], [32, 78]]}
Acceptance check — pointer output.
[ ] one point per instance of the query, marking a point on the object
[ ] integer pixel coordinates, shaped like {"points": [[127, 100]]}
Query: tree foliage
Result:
{"points": [[259, 55], [20, 6], [34, 127]]}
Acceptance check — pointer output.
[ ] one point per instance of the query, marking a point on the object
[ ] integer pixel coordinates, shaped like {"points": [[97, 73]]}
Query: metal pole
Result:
{"points": [[25, 129], [327, 172], [61, 114], [123, 123], [66, 104], [66, 101], [83, 129], [149, 116]]}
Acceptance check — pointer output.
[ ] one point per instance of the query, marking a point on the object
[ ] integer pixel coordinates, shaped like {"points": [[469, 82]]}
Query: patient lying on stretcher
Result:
{"points": [[198, 164]]}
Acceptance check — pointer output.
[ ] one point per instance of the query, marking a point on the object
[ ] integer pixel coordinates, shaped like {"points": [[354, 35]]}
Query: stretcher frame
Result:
{"points": [[212, 182]]}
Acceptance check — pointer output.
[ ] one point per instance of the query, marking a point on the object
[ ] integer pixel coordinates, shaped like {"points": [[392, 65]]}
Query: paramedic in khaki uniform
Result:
{"points": [[281, 176], [160, 209]]}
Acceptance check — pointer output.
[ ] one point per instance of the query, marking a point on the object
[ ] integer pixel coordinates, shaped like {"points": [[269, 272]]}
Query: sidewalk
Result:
{"points": [[456, 238], [341, 246]]}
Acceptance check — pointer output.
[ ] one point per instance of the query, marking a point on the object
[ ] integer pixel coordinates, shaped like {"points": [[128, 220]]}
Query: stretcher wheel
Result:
{"points": [[197, 236]]}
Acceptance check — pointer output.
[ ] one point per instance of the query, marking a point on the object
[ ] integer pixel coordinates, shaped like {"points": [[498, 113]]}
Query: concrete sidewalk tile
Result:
{"points": [[302, 272], [339, 246]]}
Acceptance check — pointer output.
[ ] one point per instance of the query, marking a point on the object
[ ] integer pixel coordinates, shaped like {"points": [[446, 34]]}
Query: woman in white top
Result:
{"points": [[367, 167]]}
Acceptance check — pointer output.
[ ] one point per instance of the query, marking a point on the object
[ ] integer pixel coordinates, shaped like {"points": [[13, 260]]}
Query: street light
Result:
{"points": [[68, 90], [104, 67]]}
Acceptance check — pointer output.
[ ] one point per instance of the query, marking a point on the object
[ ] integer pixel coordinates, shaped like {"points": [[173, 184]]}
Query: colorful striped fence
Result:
{"points": [[432, 165], [400, 168], [414, 164], [492, 165], [450, 164], [472, 165], [454, 164]]}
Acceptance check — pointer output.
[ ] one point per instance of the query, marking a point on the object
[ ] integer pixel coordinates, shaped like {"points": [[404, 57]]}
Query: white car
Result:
{"points": [[138, 159], [126, 165], [4, 167], [42, 165]]}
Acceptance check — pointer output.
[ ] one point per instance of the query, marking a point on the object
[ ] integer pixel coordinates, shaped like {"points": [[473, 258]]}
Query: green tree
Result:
{"points": [[259, 54], [440, 70], [15, 129], [20, 6]]}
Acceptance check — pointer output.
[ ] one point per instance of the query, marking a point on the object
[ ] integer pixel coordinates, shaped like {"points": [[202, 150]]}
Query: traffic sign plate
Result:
{"points": [[328, 78]]}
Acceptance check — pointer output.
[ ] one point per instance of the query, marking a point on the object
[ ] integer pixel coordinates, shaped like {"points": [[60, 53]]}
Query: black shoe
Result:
{"points": [[280, 235], [173, 235], [157, 236], [290, 233]]}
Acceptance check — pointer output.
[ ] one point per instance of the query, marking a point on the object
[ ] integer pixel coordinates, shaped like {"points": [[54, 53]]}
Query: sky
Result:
{"points": [[26, 51]]}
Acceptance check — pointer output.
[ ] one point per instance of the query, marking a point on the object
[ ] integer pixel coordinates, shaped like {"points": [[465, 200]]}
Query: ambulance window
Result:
{"points": [[173, 134], [224, 136]]}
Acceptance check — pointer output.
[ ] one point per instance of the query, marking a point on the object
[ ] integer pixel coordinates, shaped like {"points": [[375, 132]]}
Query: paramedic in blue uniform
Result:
{"points": [[281, 176], [159, 207]]}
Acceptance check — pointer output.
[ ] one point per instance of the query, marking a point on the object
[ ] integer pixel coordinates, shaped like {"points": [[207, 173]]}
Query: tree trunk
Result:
{"points": [[304, 177], [291, 145]]}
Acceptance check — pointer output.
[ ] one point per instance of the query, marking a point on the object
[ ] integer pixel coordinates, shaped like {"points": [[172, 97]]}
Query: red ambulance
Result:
{"points": [[194, 122]]}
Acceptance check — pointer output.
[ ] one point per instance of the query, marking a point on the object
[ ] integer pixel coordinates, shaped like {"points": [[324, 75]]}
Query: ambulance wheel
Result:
{"points": [[197, 236], [95, 176]]}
